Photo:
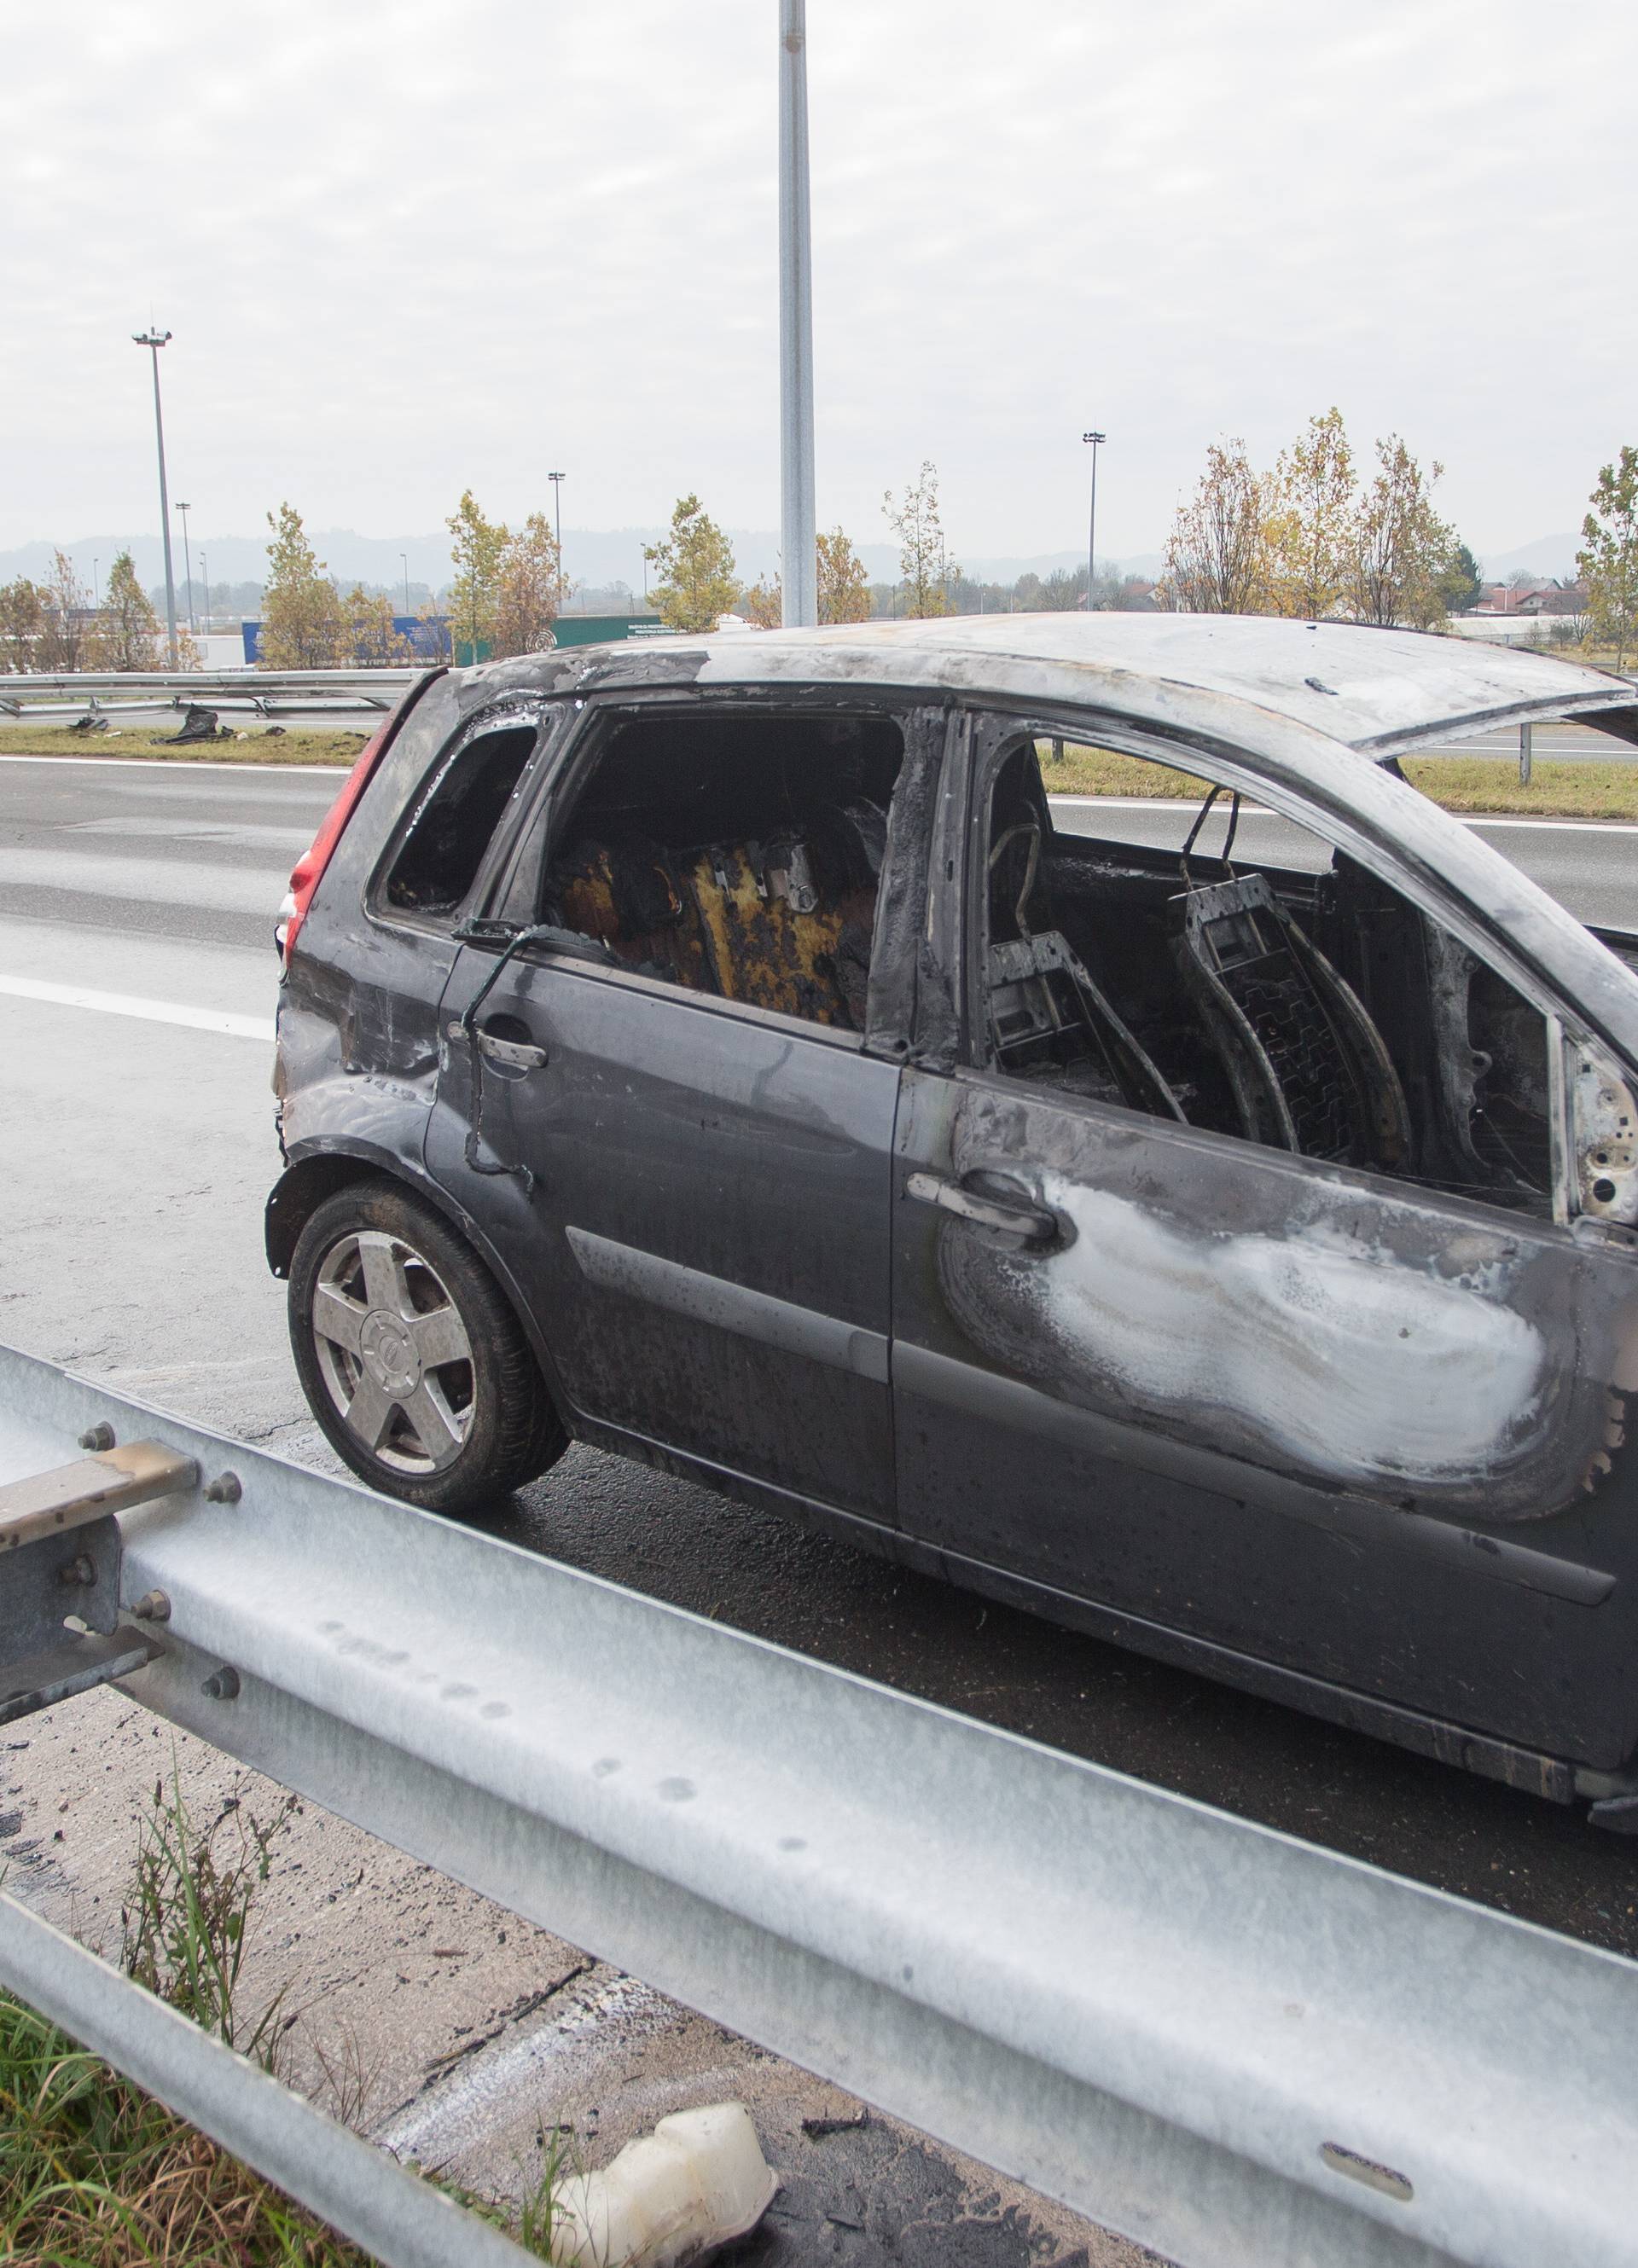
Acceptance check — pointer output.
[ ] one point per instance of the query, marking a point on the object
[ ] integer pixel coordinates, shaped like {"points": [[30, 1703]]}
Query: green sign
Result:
{"points": [[598, 630]]}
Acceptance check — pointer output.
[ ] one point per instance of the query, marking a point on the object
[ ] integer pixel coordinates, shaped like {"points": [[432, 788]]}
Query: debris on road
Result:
{"points": [[698, 2181]]}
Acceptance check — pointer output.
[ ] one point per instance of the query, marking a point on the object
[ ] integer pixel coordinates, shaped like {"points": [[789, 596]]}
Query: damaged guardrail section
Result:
{"points": [[1229, 2045]]}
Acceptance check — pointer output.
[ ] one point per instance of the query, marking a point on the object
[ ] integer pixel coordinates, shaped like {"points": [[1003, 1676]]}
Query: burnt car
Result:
{"points": [[726, 1051]]}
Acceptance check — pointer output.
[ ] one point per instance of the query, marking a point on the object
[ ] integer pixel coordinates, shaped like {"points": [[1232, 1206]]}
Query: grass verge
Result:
{"points": [[1557, 790], [256, 745], [95, 2172]]}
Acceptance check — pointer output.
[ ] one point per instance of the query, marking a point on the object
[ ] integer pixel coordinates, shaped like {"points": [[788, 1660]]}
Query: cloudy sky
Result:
{"points": [[407, 248]]}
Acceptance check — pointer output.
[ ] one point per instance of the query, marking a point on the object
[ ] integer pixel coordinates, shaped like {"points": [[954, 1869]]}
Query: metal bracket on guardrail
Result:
{"points": [[59, 1548]]}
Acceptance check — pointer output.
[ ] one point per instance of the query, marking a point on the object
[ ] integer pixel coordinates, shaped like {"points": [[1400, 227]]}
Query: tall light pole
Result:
{"points": [[556, 480], [188, 566], [404, 561], [798, 522], [1095, 440], [204, 576], [154, 340], [96, 585]]}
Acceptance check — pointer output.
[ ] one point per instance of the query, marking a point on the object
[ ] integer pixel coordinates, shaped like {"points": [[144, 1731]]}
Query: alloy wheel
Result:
{"points": [[393, 1351]]}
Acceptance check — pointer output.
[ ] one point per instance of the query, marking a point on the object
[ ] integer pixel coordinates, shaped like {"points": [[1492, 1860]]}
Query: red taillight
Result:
{"points": [[308, 870]]}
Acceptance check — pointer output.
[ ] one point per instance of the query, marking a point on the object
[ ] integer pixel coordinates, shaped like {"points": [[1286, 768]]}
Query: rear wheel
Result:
{"points": [[409, 1356]]}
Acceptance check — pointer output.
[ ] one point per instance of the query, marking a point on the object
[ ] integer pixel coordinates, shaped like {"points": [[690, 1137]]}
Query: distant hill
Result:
{"points": [[1549, 555], [594, 558]]}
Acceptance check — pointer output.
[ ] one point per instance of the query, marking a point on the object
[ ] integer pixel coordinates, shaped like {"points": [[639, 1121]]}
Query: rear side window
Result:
{"points": [[458, 813]]}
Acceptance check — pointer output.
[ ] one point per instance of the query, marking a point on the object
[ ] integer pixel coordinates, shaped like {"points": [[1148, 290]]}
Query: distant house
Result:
{"points": [[1544, 597], [1552, 599]]}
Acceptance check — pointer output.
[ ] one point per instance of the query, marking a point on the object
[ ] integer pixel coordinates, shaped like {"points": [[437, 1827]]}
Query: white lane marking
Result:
{"points": [[1260, 811], [173, 764], [149, 1011], [1552, 826]]}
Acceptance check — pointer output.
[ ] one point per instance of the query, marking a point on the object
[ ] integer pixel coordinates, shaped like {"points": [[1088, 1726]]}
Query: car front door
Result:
{"points": [[1312, 1415], [691, 1196]]}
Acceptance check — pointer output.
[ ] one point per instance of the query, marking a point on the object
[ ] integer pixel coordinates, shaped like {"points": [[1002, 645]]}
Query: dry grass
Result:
{"points": [[1100, 772], [1578, 790], [252, 744], [93, 2173]]}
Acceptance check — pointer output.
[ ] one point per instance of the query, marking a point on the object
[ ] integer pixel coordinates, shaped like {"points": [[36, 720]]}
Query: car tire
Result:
{"points": [[410, 1356]]}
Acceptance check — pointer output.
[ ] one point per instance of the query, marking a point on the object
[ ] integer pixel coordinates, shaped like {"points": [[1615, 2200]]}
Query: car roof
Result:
{"points": [[1380, 691]]}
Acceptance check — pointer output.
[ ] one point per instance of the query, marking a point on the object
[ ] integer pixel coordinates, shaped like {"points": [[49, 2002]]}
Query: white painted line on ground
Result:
{"points": [[1552, 826], [1261, 811], [1152, 803], [176, 764], [149, 1011]]}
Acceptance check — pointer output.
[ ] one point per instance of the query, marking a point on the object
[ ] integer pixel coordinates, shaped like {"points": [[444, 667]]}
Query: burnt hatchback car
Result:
{"points": [[724, 1051]]}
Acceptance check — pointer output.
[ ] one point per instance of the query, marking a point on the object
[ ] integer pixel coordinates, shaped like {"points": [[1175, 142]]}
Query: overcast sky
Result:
{"points": [[407, 248]]}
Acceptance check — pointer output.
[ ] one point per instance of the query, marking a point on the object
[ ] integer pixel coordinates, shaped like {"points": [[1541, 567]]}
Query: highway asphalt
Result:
{"points": [[135, 1153]]}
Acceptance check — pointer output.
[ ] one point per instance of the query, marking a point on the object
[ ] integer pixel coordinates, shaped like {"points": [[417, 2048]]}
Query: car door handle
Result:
{"points": [[1014, 1215], [515, 1055]]}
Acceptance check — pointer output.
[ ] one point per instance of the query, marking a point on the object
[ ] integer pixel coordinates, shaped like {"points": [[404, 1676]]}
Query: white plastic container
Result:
{"points": [[698, 2181]]}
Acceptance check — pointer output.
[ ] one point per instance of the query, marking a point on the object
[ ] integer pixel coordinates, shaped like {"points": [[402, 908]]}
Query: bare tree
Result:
{"points": [[696, 580], [22, 625], [529, 594], [1402, 549], [65, 629], [1216, 554], [1608, 564], [1308, 521], [372, 630], [763, 602], [843, 586], [924, 569], [127, 632], [303, 625]]}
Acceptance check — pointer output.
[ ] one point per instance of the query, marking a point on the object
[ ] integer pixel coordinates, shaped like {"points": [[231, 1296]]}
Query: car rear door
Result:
{"points": [[1310, 1416], [691, 1195]]}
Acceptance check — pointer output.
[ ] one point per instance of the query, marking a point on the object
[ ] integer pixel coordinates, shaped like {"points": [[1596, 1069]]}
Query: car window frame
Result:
{"points": [[512, 711], [571, 755], [993, 734]]}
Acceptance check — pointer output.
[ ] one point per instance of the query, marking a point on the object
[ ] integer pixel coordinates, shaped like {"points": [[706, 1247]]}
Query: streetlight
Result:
{"points": [[797, 519], [96, 585], [154, 340], [188, 567], [404, 561], [1092, 528], [204, 576], [556, 480]]}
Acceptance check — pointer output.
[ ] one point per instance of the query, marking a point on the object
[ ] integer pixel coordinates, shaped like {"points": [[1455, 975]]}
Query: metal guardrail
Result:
{"points": [[358, 2189], [257, 692], [1239, 2050]]}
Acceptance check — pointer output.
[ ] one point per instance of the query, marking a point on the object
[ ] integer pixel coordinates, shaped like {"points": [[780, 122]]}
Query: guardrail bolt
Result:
{"points": [[153, 1606], [78, 1569], [221, 1684], [97, 1437], [225, 1489]]}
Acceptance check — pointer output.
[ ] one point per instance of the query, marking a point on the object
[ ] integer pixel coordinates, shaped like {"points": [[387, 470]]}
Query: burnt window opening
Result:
{"points": [[736, 854], [1306, 1005], [438, 860]]}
